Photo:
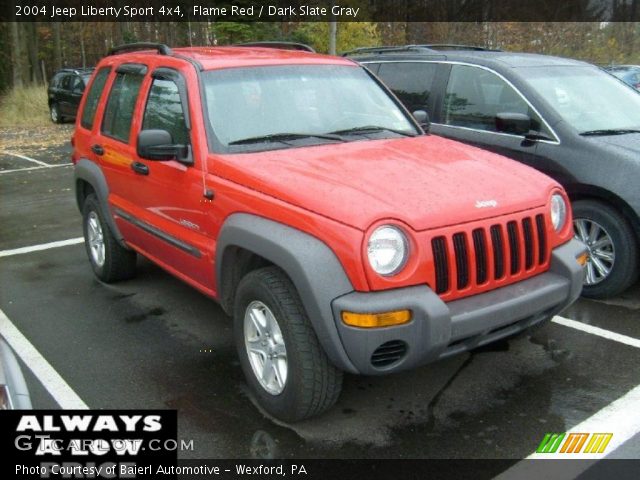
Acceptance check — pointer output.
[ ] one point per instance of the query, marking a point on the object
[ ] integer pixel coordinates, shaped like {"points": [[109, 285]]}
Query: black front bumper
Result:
{"points": [[438, 329]]}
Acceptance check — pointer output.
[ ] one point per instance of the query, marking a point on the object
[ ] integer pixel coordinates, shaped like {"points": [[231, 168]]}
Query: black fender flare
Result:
{"points": [[310, 264], [88, 171]]}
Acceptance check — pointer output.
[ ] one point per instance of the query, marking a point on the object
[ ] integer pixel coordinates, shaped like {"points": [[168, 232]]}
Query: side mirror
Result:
{"points": [[158, 145], [422, 117], [514, 123]]}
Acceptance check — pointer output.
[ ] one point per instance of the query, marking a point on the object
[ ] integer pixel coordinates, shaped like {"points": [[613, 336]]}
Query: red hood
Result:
{"points": [[426, 182]]}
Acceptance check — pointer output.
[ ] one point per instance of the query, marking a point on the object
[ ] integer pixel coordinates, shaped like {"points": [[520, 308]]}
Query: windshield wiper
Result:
{"points": [[283, 137], [372, 129], [612, 131]]}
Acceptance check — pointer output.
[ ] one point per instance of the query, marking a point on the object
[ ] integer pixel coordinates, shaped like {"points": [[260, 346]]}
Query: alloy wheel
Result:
{"points": [[96, 239], [265, 347], [600, 249]]}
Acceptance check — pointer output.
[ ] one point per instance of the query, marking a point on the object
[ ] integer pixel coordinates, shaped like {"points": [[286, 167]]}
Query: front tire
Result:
{"points": [[285, 366], [110, 261], [612, 265]]}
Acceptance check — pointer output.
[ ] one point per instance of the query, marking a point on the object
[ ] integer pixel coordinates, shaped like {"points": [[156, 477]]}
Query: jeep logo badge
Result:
{"points": [[486, 203]]}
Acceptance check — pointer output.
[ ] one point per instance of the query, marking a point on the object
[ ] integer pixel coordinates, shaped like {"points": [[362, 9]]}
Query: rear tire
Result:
{"points": [[54, 112], [608, 236], [110, 261], [304, 383]]}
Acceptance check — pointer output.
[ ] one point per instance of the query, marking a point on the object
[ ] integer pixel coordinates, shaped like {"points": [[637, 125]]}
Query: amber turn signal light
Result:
{"points": [[582, 259], [376, 320]]}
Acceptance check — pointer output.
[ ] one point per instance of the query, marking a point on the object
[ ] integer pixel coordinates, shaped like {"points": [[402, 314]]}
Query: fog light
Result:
{"points": [[376, 320], [582, 259]]}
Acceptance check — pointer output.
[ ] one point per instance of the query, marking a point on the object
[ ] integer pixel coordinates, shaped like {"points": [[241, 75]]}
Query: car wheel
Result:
{"points": [[285, 366], [612, 264], [110, 260], [55, 113]]}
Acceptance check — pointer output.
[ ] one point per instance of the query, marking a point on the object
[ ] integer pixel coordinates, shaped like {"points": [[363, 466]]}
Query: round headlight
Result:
{"points": [[387, 250], [558, 211]]}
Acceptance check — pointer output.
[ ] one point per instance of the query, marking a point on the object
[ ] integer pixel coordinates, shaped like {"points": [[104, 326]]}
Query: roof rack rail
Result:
{"points": [[453, 46], [281, 45], [416, 48], [385, 49], [77, 70], [161, 48]]}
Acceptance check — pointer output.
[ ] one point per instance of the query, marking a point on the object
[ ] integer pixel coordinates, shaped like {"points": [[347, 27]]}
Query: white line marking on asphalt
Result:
{"points": [[42, 246], [601, 332], [57, 387], [43, 164], [36, 168]]}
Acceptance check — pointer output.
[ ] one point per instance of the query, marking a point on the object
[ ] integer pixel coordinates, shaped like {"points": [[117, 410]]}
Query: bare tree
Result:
{"points": [[333, 33], [32, 50], [57, 47], [16, 54]]}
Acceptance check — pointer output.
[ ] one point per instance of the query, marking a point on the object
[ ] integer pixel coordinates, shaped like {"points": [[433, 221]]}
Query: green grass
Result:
{"points": [[24, 107]]}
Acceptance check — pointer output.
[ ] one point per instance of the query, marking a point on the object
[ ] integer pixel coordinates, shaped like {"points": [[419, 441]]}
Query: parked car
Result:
{"points": [[295, 190], [629, 74], [14, 394], [65, 92], [566, 118]]}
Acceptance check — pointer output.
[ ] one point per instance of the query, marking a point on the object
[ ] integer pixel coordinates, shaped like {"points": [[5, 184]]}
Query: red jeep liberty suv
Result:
{"points": [[295, 190]]}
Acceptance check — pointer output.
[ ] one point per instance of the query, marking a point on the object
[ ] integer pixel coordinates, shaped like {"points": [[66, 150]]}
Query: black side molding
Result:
{"points": [[173, 241]]}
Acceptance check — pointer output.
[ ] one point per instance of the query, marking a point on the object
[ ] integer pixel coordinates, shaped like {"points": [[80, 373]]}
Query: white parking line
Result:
{"points": [[42, 246], [13, 170], [57, 387], [601, 332], [23, 157]]}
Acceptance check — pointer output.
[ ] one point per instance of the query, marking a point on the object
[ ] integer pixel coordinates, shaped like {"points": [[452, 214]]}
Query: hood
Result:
{"points": [[627, 145], [425, 182]]}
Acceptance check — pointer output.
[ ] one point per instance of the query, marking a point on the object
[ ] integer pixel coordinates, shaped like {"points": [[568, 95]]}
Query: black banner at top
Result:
{"points": [[320, 11]]}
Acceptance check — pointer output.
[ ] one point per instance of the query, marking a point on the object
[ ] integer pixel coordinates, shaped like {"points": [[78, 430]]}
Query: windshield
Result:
{"points": [[587, 98], [262, 108]]}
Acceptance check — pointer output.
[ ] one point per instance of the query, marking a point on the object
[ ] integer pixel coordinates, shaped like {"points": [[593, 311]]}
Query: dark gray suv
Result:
{"points": [[566, 118], [65, 92]]}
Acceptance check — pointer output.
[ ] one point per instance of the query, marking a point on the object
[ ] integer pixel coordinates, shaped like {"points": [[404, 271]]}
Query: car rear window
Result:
{"points": [[93, 96], [56, 80]]}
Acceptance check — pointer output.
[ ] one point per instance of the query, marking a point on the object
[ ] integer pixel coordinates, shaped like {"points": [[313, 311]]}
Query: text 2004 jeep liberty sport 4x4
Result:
{"points": [[297, 192]]}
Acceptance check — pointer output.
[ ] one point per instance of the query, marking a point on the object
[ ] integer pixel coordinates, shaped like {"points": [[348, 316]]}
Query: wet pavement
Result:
{"points": [[154, 342]]}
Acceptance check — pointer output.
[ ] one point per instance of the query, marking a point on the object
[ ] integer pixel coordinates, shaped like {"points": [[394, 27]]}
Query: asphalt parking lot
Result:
{"points": [[153, 342]]}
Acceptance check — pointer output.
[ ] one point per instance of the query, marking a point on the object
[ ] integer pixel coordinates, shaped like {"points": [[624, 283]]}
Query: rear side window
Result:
{"points": [[164, 111], [411, 82], [122, 101], [93, 96]]}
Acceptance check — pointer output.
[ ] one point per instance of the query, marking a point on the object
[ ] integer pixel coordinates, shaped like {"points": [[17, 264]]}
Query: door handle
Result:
{"points": [[97, 149], [140, 168]]}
